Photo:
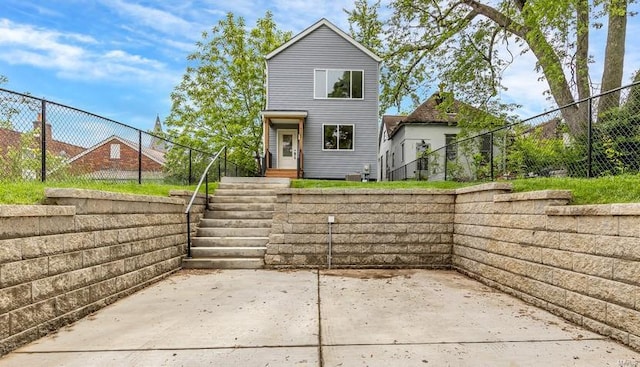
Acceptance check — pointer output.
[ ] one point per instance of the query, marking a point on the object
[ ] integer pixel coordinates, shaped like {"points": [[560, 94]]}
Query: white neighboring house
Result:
{"points": [[403, 138]]}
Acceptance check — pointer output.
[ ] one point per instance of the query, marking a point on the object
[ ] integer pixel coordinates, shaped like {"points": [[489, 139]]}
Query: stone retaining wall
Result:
{"points": [[373, 228], [579, 262], [63, 261]]}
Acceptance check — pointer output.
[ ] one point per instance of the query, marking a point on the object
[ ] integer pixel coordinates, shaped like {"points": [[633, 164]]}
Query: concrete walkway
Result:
{"points": [[331, 318]]}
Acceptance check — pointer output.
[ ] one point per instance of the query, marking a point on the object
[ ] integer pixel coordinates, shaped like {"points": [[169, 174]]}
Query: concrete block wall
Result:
{"points": [[579, 262], [63, 261], [373, 228]]}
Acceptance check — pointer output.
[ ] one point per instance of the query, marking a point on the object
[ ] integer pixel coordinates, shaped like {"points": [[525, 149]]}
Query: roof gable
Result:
{"points": [[320, 23], [150, 153]]}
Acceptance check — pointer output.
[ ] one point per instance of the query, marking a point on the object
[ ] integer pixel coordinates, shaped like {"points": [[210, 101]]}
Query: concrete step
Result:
{"points": [[249, 207], [235, 223], [227, 214], [233, 232], [225, 252], [233, 192], [229, 241], [251, 186], [242, 199], [223, 263]]}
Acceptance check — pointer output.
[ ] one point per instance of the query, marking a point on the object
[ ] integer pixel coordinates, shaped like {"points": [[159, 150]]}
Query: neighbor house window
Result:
{"points": [[339, 83], [452, 148], [338, 137], [115, 151], [402, 153]]}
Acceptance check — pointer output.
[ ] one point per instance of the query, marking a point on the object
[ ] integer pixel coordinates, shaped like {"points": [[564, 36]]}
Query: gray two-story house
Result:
{"points": [[322, 106]]}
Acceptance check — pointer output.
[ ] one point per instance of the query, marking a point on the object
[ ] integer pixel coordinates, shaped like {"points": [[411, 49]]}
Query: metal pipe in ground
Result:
{"points": [[331, 219]]}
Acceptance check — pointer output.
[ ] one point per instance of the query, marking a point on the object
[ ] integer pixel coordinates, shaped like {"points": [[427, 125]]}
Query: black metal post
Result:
{"points": [[189, 166], [219, 172], [188, 234], [225, 162], [405, 171], [43, 142], [446, 160], [589, 138], [139, 157], [491, 153]]}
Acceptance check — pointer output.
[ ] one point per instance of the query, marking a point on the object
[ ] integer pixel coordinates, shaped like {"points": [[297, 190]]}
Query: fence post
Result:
{"points": [[189, 167], [43, 142], [446, 160], [589, 137], [139, 157], [219, 172], [225, 162], [491, 153]]}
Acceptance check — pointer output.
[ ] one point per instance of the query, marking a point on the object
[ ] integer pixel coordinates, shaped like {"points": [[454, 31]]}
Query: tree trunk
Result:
{"points": [[614, 55]]}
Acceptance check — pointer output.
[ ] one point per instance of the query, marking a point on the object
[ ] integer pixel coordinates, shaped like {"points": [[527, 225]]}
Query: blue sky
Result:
{"points": [[122, 58]]}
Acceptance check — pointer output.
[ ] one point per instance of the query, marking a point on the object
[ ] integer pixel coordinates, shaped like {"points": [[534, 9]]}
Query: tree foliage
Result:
{"points": [[466, 45], [23, 160], [219, 99]]}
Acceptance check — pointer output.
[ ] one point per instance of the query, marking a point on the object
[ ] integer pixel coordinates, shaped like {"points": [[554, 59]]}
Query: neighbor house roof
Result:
{"points": [[391, 122], [152, 154], [320, 23], [11, 138], [427, 113]]}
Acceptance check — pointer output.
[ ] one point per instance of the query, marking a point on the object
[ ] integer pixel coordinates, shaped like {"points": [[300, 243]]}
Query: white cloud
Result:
{"points": [[157, 19], [73, 56]]}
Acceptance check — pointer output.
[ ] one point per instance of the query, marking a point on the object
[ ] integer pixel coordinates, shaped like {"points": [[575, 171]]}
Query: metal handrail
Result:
{"points": [[205, 178]]}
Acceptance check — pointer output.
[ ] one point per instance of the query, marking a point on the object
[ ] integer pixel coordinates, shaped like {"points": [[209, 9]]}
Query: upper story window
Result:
{"points": [[339, 83]]}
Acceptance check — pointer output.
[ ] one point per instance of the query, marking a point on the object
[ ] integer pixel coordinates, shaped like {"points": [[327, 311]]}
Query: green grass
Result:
{"points": [[29, 192], [602, 190], [378, 185]]}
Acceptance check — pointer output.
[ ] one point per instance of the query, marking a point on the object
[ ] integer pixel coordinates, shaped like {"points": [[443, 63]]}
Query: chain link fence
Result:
{"points": [[80, 146], [598, 136]]}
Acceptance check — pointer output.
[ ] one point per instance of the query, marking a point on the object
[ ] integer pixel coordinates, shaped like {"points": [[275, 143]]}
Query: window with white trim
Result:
{"points": [[338, 137], [339, 83], [115, 151]]}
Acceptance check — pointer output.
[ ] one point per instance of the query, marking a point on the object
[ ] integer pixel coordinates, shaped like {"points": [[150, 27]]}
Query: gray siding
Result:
{"points": [[291, 83]]}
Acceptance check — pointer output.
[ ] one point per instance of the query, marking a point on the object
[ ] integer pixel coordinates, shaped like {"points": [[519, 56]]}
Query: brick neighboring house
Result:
{"points": [[116, 158], [12, 139]]}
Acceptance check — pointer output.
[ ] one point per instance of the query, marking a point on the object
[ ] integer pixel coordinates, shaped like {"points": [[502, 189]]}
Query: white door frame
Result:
{"points": [[288, 163]]}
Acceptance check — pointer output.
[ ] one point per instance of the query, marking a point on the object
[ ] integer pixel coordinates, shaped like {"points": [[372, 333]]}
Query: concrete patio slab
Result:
{"points": [[363, 317], [410, 306]]}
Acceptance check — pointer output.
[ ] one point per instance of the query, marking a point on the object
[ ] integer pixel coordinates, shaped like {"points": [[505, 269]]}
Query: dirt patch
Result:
{"points": [[369, 273]]}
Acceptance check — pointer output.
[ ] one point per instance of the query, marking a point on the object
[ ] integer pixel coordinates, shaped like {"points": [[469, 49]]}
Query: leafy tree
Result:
{"points": [[365, 25], [219, 100], [616, 137], [468, 44], [23, 160]]}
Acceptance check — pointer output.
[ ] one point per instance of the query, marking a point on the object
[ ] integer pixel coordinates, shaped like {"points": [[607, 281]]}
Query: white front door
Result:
{"points": [[287, 149]]}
